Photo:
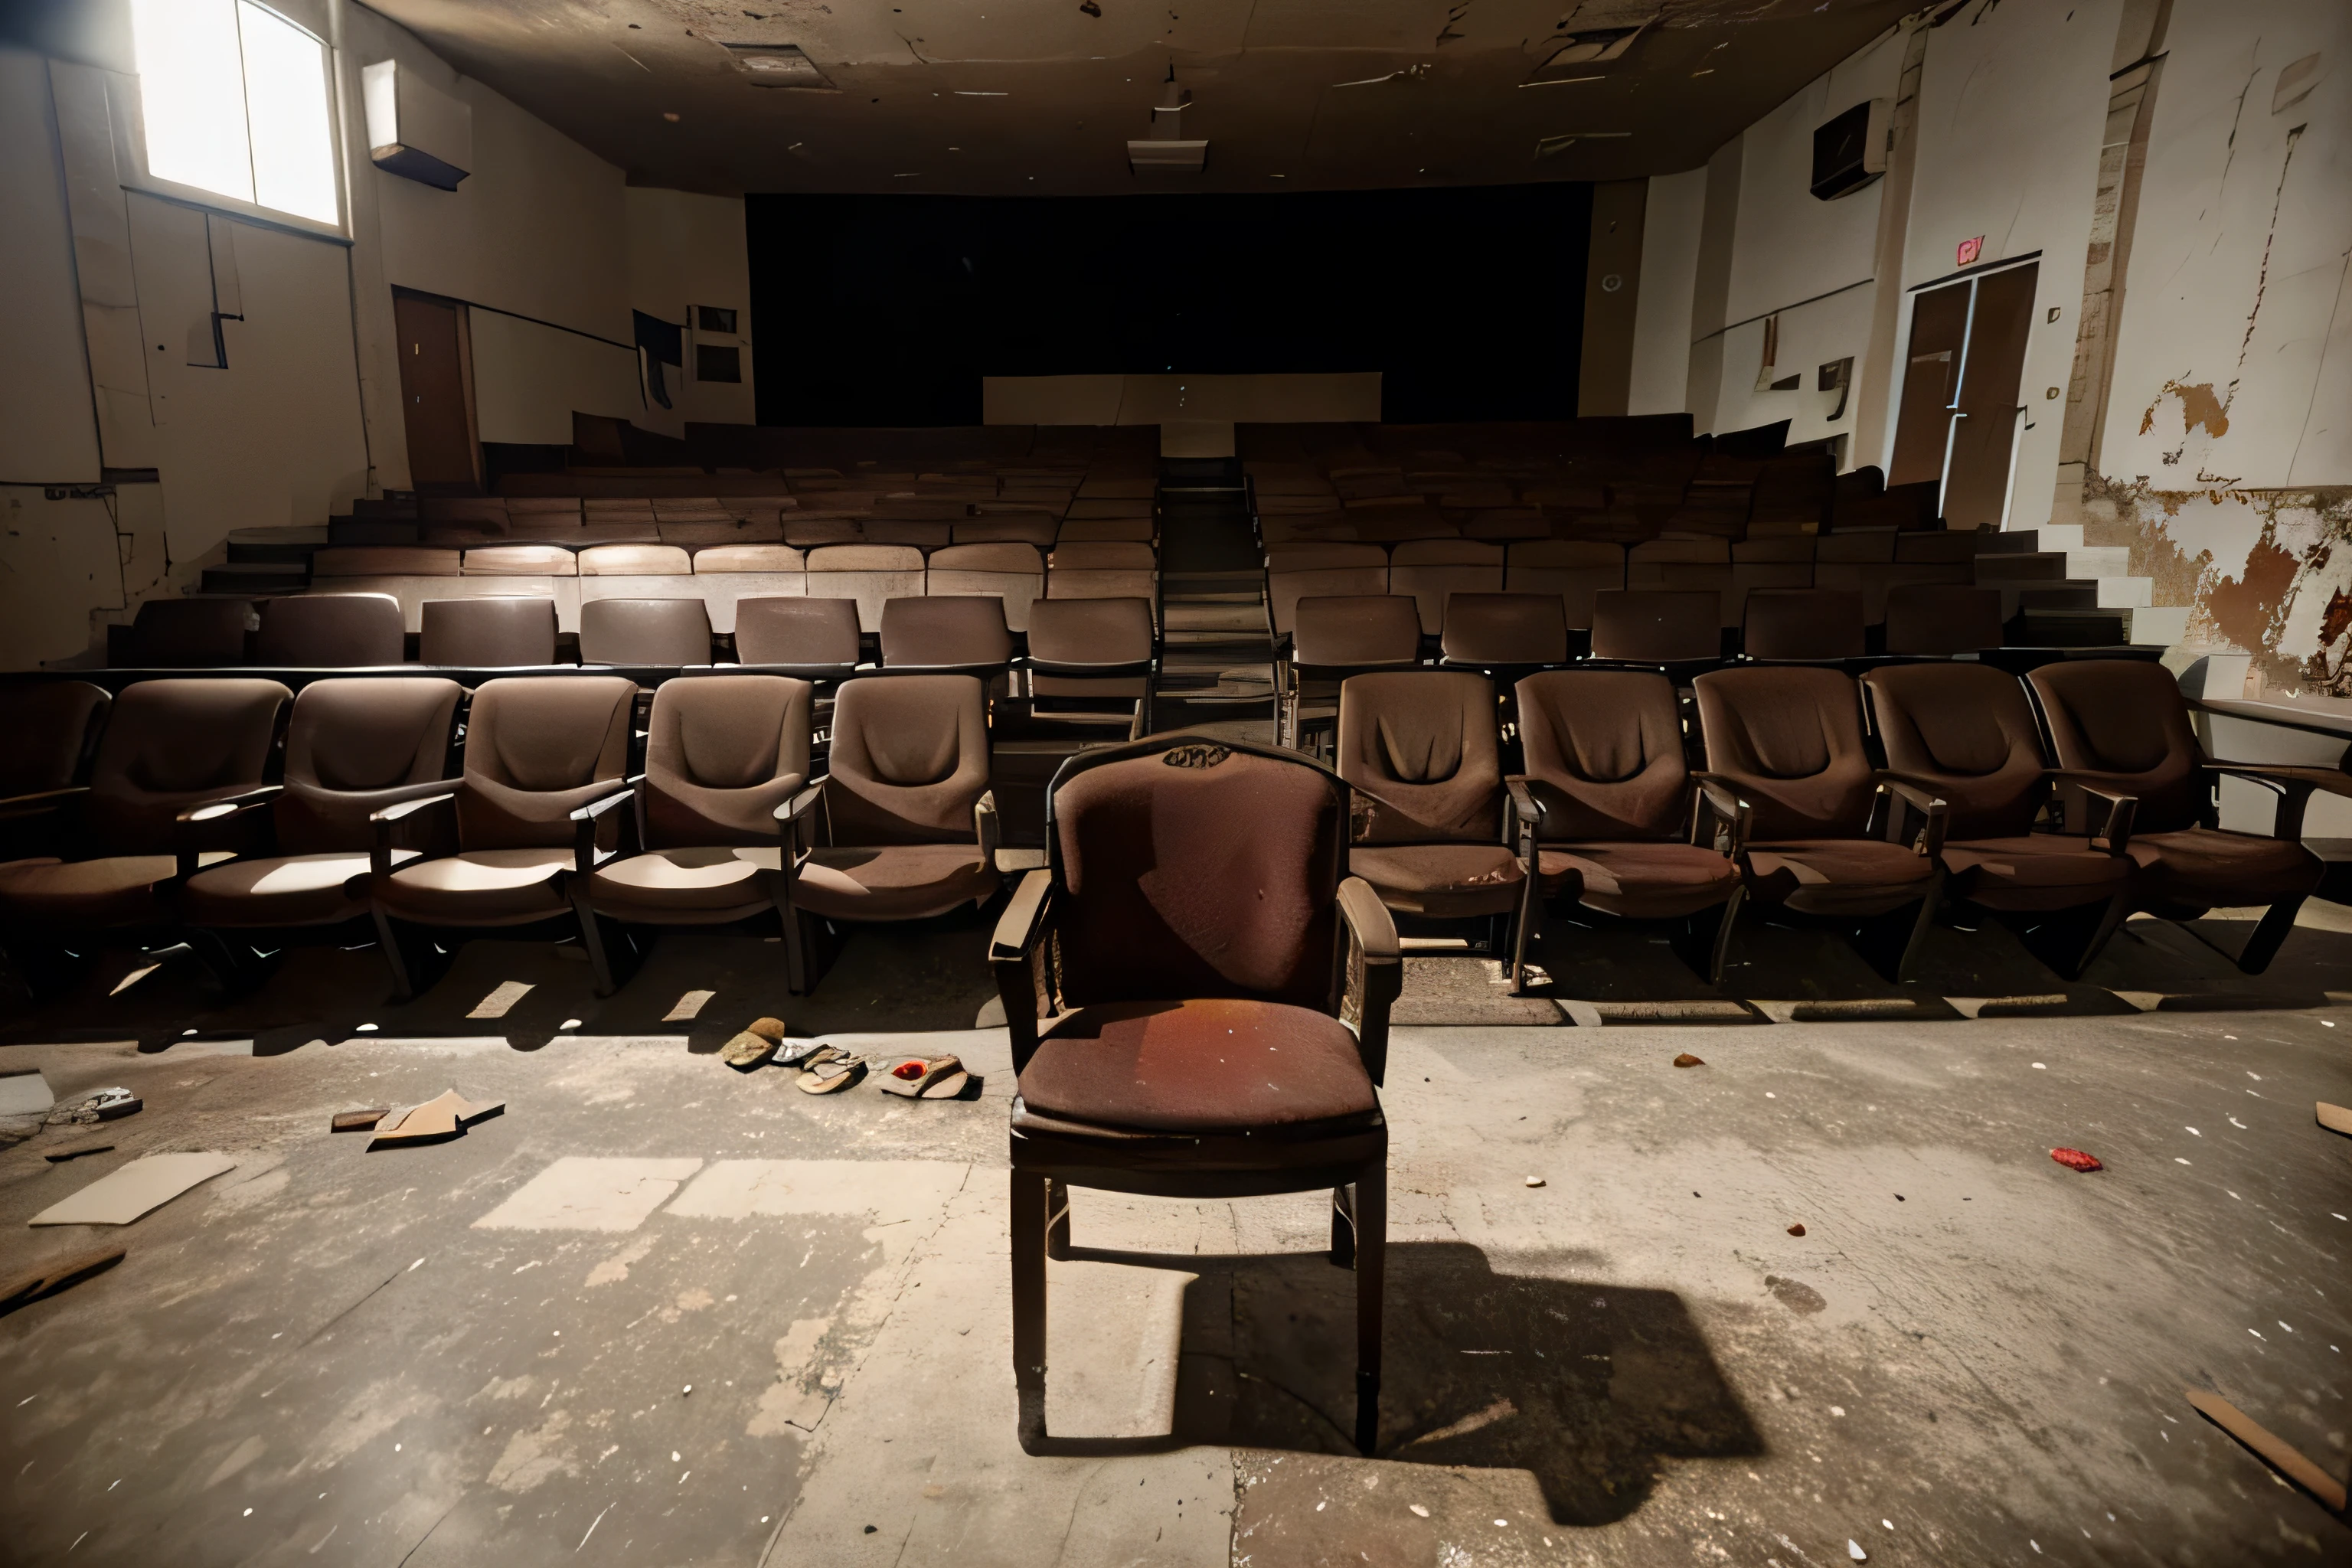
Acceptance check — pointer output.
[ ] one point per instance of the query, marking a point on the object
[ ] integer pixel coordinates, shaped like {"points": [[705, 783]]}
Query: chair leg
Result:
{"points": [[1343, 1227], [2110, 920], [1720, 955], [2270, 934], [1522, 931], [395, 958], [1058, 1220], [1919, 929], [592, 937], [1371, 1207], [1030, 1198]]}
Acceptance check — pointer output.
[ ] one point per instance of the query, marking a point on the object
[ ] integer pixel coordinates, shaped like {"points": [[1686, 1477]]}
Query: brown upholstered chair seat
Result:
{"points": [[282, 890], [481, 888], [2208, 866], [120, 890], [685, 886], [1642, 882], [1209, 1065], [2034, 871], [892, 882], [1444, 881], [1838, 876]]}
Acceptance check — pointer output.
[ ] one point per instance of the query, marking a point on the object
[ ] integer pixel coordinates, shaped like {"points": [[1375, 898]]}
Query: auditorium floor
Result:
{"points": [[482, 1349]]}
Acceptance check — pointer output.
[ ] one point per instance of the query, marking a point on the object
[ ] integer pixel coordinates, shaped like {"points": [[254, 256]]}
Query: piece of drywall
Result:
{"points": [[529, 379], [1660, 378], [48, 432], [687, 250]]}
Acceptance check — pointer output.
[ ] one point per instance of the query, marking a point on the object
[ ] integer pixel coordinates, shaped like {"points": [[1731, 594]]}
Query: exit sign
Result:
{"points": [[1969, 252]]}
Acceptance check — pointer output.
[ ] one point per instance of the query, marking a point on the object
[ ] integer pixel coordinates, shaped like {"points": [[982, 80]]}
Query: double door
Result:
{"points": [[1960, 414]]}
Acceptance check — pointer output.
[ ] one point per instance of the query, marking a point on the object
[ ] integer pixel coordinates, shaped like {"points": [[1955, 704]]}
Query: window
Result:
{"points": [[717, 363], [236, 102], [714, 319]]}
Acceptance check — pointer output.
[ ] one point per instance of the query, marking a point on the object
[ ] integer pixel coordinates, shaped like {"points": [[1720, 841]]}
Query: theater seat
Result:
{"points": [[1816, 625], [52, 729], [814, 639], [1491, 631], [945, 632], [488, 633], [189, 634], [1664, 627], [659, 632], [1788, 781], [1091, 648], [2122, 726], [1940, 619], [1607, 794], [331, 631]]}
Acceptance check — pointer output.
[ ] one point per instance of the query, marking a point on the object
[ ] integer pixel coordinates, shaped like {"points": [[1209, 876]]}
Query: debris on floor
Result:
{"points": [[2335, 1118], [2273, 1449], [75, 1151], [2075, 1159], [358, 1120], [755, 1045], [55, 1275], [444, 1117], [102, 1105], [1689, 1060], [137, 1188], [1535, 1181], [1796, 1230]]}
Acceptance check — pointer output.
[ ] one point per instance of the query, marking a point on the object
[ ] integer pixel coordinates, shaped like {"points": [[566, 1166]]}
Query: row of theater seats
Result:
{"points": [[722, 575], [490, 523], [1861, 805], [1826, 799], [1869, 564], [819, 638]]}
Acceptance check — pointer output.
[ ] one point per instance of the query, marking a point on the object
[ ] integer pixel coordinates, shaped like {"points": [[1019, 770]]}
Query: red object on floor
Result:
{"points": [[2075, 1159]]}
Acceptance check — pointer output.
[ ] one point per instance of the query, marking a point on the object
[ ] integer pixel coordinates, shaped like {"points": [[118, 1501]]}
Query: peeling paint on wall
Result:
{"points": [[2198, 406]]}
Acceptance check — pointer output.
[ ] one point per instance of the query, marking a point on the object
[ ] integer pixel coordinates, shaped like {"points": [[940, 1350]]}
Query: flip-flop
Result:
{"points": [[917, 1078], [832, 1077]]}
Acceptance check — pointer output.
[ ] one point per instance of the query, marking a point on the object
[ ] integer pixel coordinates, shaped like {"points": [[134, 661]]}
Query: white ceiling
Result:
{"points": [[1040, 97]]}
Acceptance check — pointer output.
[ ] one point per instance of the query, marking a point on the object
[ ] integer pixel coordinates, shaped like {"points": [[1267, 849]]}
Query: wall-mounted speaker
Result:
{"points": [[1850, 151]]}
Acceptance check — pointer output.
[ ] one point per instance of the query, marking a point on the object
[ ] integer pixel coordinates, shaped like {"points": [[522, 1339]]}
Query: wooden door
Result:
{"points": [[433, 393], [1984, 430], [1940, 333]]}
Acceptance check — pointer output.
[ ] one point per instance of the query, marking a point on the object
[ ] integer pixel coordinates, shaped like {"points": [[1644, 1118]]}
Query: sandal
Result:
{"points": [[917, 1078], [829, 1069]]}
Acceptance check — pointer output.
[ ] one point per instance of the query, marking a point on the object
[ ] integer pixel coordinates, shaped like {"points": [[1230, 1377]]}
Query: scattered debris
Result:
{"points": [[1854, 1550], [1535, 1181], [55, 1275], [2335, 1118], [145, 1184], [1418, 1509], [1796, 1230], [1689, 1060], [2274, 1450], [75, 1151], [927, 1078], [2075, 1159], [442, 1118], [747, 1050], [358, 1120], [1090, 7], [828, 1069], [104, 1105]]}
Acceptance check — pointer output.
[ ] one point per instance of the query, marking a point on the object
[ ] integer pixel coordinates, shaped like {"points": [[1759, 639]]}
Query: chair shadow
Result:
{"points": [[1582, 1384]]}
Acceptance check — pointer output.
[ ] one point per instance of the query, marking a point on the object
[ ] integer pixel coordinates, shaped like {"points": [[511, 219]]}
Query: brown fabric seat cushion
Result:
{"points": [[2208, 867], [1444, 881], [481, 887], [892, 882], [1838, 876], [1651, 881], [284, 891], [1208, 1065], [694, 885], [2034, 871], [116, 891]]}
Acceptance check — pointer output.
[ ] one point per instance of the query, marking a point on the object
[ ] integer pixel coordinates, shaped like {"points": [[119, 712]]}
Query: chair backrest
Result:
{"points": [[1941, 618], [170, 744], [870, 573], [1100, 569], [805, 633], [1505, 629], [1418, 747], [1090, 631], [1604, 750], [723, 559], [1319, 572], [721, 753], [1656, 626], [952, 629], [1792, 738], [1802, 624], [539, 747], [1431, 569], [1192, 869], [1968, 730], [351, 746], [645, 631], [908, 758], [487, 632], [1349, 631], [52, 729], [522, 561], [635, 561], [1575, 569], [340, 631], [1036, 529], [2127, 719], [189, 634]]}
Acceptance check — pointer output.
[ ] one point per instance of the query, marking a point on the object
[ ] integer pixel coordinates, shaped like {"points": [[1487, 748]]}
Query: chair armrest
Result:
{"points": [[795, 811], [586, 819], [229, 804], [2293, 784], [1720, 796], [393, 820], [1524, 803], [223, 824], [1375, 971], [2107, 814], [1013, 957], [1922, 798], [39, 801], [985, 826]]}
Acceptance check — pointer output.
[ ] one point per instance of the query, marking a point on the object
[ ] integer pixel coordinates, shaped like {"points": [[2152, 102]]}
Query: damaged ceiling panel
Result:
{"points": [[1041, 97]]}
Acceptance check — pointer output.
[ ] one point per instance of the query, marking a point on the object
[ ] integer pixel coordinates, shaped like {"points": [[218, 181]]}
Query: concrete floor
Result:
{"points": [[482, 1350]]}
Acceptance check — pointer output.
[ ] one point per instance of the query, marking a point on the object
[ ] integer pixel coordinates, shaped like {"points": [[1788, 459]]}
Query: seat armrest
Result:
{"points": [[585, 856], [390, 824], [229, 806], [1014, 957], [2107, 817], [2292, 784], [216, 825], [1719, 796], [39, 801], [1921, 797], [1375, 971], [985, 826], [795, 811], [1524, 803]]}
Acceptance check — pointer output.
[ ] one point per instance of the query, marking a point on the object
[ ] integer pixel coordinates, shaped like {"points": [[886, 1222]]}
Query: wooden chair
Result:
{"points": [[1179, 982]]}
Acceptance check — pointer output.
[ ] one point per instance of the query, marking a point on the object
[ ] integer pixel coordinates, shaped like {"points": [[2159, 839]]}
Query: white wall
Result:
{"points": [[687, 250], [1660, 382], [46, 433], [528, 380]]}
